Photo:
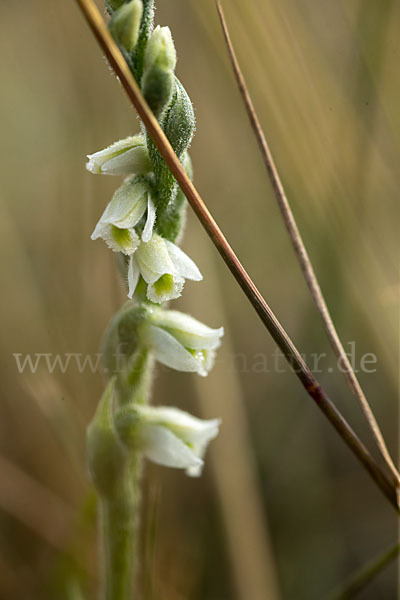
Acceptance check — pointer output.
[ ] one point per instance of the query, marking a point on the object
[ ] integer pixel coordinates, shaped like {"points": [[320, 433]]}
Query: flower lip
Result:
{"points": [[117, 239]]}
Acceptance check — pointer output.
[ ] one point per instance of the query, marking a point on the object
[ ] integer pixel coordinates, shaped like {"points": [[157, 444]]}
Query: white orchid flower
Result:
{"points": [[167, 436], [124, 211], [125, 157], [180, 341], [163, 266]]}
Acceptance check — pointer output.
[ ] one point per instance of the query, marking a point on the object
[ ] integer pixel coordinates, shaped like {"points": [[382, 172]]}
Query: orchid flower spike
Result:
{"points": [[180, 341], [167, 436], [163, 266], [126, 208], [125, 157]]}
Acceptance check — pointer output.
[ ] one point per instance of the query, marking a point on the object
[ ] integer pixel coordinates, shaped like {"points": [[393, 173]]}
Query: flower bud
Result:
{"points": [[116, 225], [159, 64], [125, 24], [163, 266], [125, 157], [167, 436], [180, 341]]}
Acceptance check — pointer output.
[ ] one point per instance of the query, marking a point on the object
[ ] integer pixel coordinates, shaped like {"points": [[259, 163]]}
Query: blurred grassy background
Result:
{"points": [[283, 510]]}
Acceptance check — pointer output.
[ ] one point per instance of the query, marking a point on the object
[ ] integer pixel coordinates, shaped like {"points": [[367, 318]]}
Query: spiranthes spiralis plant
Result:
{"points": [[143, 224]]}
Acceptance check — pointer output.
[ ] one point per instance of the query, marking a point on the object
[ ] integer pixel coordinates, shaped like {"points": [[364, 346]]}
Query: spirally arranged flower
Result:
{"points": [[179, 341], [126, 209], [163, 266], [125, 157], [167, 436], [143, 219]]}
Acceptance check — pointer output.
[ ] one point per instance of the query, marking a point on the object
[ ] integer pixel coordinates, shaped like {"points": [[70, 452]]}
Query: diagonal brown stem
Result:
{"points": [[303, 257], [265, 313]]}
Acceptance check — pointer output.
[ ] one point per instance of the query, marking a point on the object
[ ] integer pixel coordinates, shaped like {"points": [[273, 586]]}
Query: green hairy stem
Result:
{"points": [[119, 519]]}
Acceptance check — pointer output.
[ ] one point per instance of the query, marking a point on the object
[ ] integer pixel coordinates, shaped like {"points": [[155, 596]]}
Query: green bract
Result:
{"points": [[105, 454]]}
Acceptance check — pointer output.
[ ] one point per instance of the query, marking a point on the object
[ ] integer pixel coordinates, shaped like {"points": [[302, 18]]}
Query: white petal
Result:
{"points": [[151, 217], [188, 428], [169, 351], [162, 447], [187, 330], [127, 206], [195, 434], [99, 161], [133, 275], [183, 264], [158, 270], [209, 359], [100, 230], [133, 161], [194, 471], [154, 259]]}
